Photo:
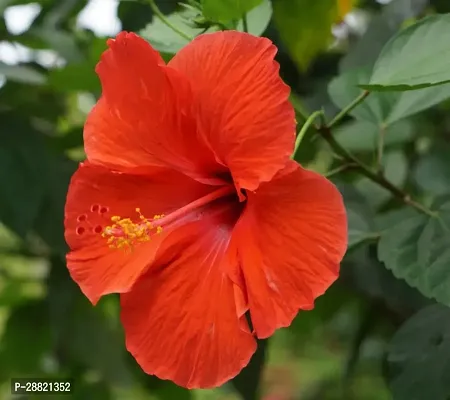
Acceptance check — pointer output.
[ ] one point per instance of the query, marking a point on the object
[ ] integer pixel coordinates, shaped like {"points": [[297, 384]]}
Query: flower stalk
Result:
{"points": [[310, 120], [348, 108]]}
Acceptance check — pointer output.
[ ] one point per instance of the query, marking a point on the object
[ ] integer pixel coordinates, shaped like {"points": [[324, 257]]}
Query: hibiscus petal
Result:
{"points": [[144, 115], [180, 318], [95, 195], [292, 237], [242, 103]]}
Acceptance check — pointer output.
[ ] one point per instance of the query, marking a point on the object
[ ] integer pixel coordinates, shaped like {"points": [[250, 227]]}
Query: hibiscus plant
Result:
{"points": [[221, 188]]}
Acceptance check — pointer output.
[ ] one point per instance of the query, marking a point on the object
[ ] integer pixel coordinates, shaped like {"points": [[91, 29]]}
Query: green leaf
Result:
{"points": [[27, 324], [359, 228], [417, 57], [23, 173], [135, 14], [307, 323], [75, 77], [227, 10], [169, 42], [343, 89], [393, 217], [247, 383], [417, 357], [165, 39], [395, 166], [417, 249], [432, 171], [360, 216], [381, 28], [22, 73], [365, 273], [413, 102], [383, 108], [364, 135], [305, 27], [258, 19]]}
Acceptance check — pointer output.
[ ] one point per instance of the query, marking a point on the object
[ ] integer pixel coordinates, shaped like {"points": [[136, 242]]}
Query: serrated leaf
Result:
{"points": [[366, 274], [416, 57], [227, 10], [417, 249], [417, 357]]}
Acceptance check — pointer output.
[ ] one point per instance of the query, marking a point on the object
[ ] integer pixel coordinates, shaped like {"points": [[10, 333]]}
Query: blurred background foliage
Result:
{"points": [[370, 337]]}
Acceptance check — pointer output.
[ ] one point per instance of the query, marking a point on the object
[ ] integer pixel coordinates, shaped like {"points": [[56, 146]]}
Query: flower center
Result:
{"points": [[124, 233]]}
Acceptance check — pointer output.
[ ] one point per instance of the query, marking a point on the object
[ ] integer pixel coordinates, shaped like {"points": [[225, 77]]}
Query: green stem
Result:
{"points": [[165, 21], [304, 129], [349, 108], [378, 178], [340, 168]]}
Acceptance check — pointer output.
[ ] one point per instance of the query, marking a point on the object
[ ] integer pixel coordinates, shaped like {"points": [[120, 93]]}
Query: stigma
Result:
{"points": [[124, 233]]}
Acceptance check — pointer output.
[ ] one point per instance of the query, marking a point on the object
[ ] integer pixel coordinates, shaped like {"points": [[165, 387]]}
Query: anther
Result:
{"points": [[123, 233]]}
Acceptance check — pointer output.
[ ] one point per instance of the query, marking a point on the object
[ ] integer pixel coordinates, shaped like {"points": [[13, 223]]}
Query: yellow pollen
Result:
{"points": [[125, 234]]}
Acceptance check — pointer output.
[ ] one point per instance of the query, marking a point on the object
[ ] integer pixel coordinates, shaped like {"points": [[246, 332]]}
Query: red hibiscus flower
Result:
{"points": [[189, 206]]}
